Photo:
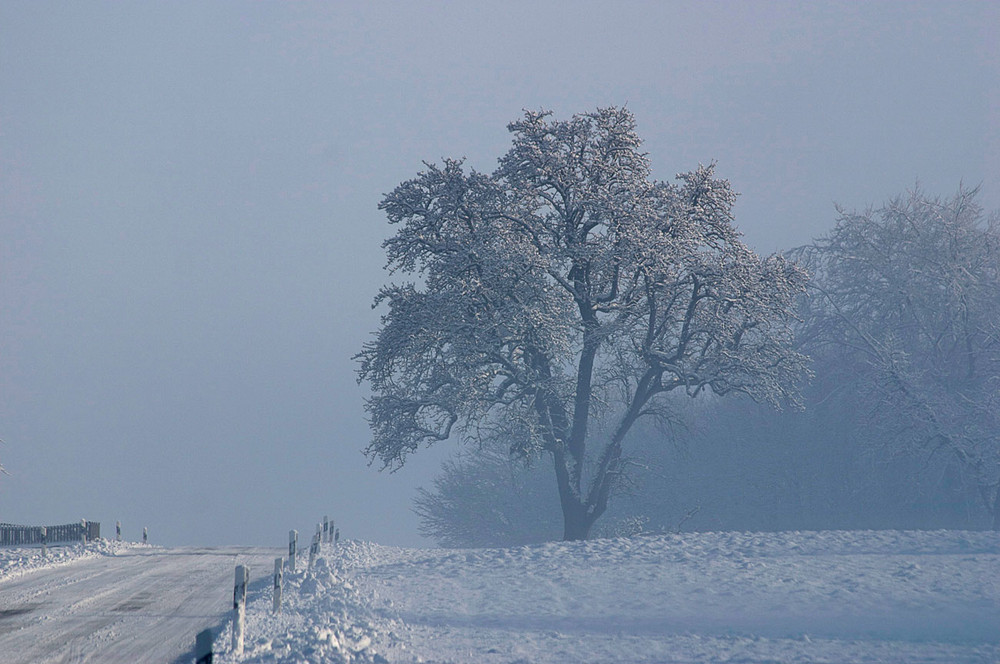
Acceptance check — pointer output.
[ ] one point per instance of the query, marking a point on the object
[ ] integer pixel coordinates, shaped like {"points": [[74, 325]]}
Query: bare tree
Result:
{"points": [[558, 299], [909, 295]]}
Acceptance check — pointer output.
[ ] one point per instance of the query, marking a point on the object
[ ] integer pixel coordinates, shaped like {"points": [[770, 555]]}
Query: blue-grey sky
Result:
{"points": [[189, 233]]}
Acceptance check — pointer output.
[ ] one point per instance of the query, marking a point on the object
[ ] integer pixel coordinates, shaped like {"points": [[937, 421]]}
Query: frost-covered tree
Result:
{"points": [[906, 300], [555, 302]]}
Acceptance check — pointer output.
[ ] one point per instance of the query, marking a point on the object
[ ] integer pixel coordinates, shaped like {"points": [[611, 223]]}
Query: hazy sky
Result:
{"points": [[189, 232]]}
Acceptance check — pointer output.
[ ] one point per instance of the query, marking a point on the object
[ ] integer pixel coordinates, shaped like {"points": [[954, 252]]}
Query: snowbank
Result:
{"points": [[17, 560], [882, 596], [326, 616]]}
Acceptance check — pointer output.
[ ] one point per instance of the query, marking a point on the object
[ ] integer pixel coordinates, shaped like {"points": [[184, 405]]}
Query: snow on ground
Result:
{"points": [[884, 596], [119, 603], [16, 560]]}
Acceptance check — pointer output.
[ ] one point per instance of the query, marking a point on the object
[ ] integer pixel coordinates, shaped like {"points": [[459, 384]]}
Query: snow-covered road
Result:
{"points": [[139, 604]]}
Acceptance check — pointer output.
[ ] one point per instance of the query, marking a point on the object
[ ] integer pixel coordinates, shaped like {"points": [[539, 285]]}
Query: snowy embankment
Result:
{"points": [[882, 596], [16, 560]]}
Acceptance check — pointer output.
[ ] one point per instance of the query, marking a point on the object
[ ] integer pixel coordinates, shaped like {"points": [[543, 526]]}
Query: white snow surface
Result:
{"points": [[114, 601], [17, 560], [832, 596]]}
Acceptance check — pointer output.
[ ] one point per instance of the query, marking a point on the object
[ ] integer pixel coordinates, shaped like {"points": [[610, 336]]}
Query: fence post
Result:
{"points": [[239, 606], [203, 647], [326, 529], [277, 584], [145, 535], [293, 539], [45, 541], [118, 531], [83, 532]]}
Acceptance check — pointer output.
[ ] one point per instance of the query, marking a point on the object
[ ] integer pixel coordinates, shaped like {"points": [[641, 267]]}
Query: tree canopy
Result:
{"points": [[906, 298], [552, 303]]}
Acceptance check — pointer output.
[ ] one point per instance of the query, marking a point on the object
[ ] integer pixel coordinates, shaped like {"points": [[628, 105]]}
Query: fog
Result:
{"points": [[189, 233]]}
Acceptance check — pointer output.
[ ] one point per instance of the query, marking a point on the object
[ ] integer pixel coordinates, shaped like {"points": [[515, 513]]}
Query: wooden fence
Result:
{"points": [[11, 535]]}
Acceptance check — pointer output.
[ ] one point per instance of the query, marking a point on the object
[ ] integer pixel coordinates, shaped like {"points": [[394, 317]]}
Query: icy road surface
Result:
{"points": [[119, 604]]}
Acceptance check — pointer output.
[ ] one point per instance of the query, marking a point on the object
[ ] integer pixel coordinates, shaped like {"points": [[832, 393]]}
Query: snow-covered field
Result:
{"points": [[883, 596]]}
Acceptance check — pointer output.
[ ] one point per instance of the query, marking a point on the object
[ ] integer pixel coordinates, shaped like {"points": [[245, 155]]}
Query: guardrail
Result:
{"points": [[14, 535]]}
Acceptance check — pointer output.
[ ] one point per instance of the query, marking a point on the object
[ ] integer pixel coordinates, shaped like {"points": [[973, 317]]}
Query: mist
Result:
{"points": [[189, 233]]}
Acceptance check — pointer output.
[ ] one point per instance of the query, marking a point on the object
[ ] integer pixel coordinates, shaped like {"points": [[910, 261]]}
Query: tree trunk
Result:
{"points": [[996, 508], [577, 523], [577, 519]]}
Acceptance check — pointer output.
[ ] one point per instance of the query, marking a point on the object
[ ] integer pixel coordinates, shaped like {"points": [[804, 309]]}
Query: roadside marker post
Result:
{"points": [[277, 584], [314, 549], [203, 647], [118, 531], [293, 540], [239, 606], [45, 542], [326, 529], [145, 535]]}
